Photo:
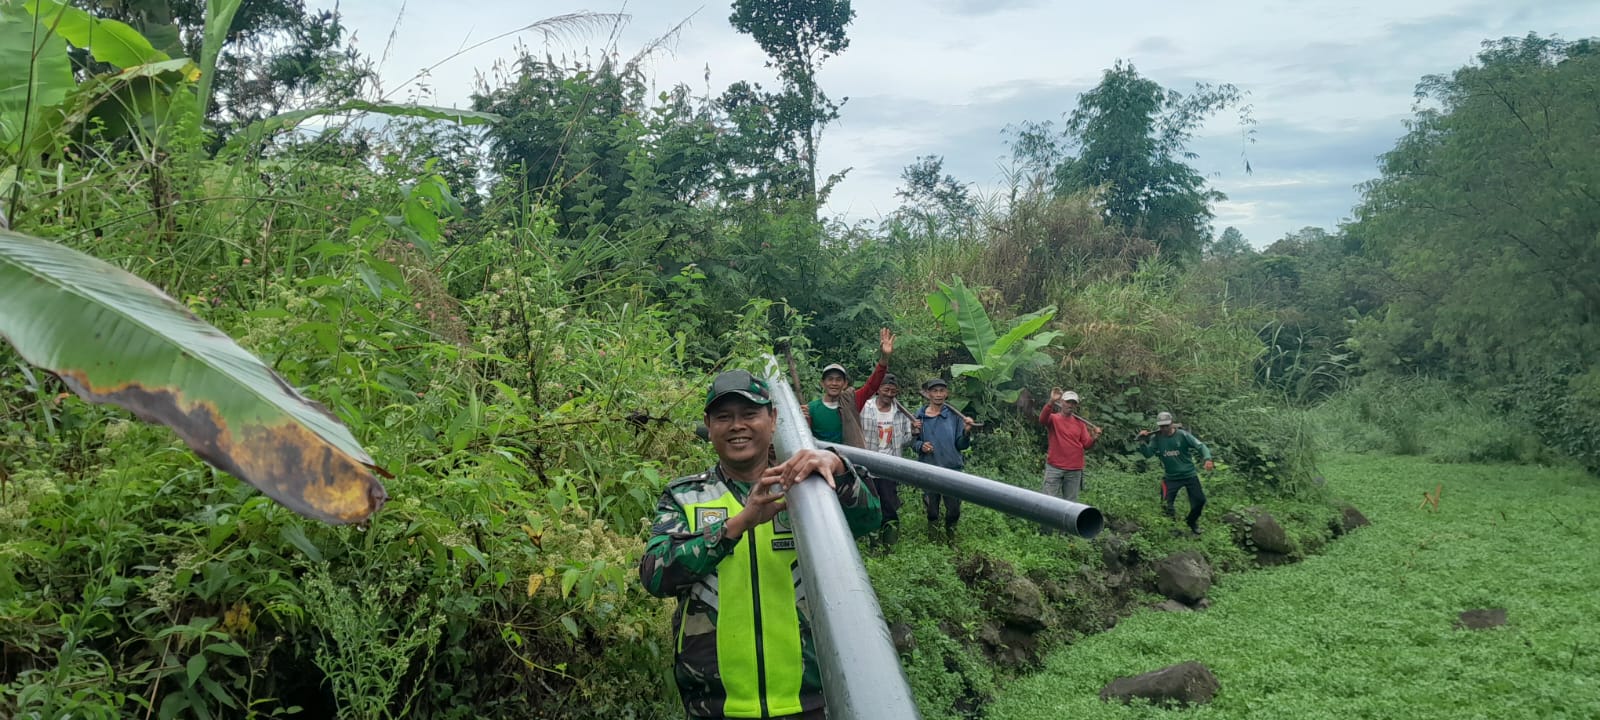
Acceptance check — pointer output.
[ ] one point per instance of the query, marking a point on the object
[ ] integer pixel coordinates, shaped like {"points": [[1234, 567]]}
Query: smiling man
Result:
{"points": [[836, 416], [722, 544]]}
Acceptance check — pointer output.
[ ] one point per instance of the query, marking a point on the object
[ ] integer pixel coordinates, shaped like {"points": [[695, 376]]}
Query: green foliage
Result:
{"points": [[798, 35], [113, 338], [1483, 214], [1497, 542], [1129, 138], [260, 58], [990, 382], [107, 41], [1316, 287], [1051, 247], [1415, 416]]}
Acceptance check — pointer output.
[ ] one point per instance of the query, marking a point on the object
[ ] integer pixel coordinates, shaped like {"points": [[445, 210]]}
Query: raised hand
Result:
{"points": [[1055, 394], [886, 342]]}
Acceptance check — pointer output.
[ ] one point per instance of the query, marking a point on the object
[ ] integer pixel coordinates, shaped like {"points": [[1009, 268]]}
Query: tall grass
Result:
{"points": [[1420, 416]]}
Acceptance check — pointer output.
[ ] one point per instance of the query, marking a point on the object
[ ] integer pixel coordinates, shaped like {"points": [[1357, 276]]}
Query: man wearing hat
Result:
{"points": [[722, 544], [944, 436], [1070, 436], [836, 416], [889, 428], [1175, 446]]}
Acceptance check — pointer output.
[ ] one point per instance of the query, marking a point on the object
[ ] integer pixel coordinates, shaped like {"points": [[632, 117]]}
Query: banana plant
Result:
{"points": [[113, 338], [991, 382]]}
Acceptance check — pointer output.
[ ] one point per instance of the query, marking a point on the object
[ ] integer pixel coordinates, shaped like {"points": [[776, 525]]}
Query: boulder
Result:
{"points": [[1482, 619], [1020, 604], [1351, 518], [1171, 606], [1268, 536], [1008, 646], [1183, 684], [1272, 559], [1184, 576], [1118, 554]]}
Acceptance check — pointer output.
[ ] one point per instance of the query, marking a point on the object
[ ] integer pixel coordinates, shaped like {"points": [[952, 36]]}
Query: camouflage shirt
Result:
{"points": [[759, 661]]}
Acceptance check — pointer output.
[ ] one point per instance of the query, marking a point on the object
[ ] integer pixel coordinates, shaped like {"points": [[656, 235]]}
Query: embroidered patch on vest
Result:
{"points": [[780, 524], [706, 515], [783, 544]]}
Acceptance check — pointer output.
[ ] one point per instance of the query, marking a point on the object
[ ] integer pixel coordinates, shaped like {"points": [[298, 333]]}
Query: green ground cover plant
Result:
{"points": [[952, 598], [1367, 629]]}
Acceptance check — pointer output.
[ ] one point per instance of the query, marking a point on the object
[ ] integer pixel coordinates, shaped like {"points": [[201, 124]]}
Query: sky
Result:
{"points": [[1330, 84]]}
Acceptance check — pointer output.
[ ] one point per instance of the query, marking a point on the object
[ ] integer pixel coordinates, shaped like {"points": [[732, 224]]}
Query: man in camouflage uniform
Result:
{"points": [[723, 546]]}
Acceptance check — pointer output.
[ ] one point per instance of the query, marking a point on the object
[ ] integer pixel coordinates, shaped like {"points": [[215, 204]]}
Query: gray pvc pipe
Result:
{"points": [[1049, 511], [861, 674]]}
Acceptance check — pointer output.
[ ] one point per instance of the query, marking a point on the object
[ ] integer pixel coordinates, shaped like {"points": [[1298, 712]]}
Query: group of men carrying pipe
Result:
{"points": [[723, 545]]}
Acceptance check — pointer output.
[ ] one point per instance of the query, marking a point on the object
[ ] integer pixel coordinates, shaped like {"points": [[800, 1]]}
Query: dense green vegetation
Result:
{"points": [[515, 310], [1367, 628]]}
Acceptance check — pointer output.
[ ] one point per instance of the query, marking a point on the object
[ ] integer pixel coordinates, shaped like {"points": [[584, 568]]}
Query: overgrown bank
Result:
{"points": [[973, 616], [1368, 628]]}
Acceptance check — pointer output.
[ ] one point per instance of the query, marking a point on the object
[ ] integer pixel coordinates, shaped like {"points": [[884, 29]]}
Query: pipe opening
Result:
{"points": [[1090, 522]]}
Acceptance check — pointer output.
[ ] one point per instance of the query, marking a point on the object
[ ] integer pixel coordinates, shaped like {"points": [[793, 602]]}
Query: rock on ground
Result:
{"points": [[1183, 684], [1482, 619], [1184, 576]]}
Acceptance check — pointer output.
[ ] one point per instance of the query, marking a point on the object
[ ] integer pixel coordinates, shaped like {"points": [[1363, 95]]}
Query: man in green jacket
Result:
{"points": [[1175, 446], [722, 544]]}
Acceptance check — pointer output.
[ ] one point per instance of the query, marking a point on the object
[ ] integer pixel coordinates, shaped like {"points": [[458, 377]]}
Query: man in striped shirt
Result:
{"points": [[888, 427]]}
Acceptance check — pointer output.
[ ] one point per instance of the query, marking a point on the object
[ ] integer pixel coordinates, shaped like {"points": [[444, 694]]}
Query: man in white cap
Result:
{"points": [[1070, 436], [1174, 445], [836, 416]]}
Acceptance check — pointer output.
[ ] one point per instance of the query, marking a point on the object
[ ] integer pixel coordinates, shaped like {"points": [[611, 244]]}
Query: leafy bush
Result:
{"points": [[1418, 416], [990, 382]]}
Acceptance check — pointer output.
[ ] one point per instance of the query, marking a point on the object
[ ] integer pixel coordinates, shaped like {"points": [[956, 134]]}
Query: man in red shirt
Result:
{"points": [[1070, 435]]}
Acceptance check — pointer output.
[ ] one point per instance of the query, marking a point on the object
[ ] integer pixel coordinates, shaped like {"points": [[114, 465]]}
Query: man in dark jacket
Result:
{"points": [[944, 435], [1174, 446], [722, 544]]}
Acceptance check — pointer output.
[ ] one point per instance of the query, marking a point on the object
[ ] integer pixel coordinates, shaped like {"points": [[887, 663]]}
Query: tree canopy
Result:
{"points": [[1129, 138]]}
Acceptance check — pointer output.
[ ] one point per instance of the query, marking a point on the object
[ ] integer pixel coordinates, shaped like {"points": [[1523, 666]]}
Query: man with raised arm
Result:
{"points": [[1070, 436], [722, 544], [836, 416]]}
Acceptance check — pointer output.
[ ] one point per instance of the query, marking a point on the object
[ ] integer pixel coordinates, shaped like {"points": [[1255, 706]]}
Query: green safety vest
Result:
{"points": [[758, 624]]}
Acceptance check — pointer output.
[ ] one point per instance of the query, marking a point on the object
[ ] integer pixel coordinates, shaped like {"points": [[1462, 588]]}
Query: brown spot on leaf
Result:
{"points": [[287, 461]]}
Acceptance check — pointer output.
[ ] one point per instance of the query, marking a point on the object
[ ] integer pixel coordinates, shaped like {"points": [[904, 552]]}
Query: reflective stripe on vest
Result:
{"points": [[758, 624]]}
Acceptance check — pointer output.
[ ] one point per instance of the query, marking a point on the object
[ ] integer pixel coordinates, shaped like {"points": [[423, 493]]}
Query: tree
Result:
{"points": [[927, 188], [584, 138], [277, 56], [797, 35], [1129, 137], [1488, 213], [1230, 244]]}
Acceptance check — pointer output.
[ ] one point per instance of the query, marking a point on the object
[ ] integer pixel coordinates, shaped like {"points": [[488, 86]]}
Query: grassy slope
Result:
{"points": [[1365, 629]]}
